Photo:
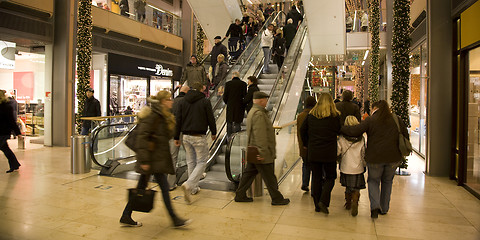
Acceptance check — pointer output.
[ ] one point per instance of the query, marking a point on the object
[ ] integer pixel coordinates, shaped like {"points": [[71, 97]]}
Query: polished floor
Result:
{"points": [[44, 201]]}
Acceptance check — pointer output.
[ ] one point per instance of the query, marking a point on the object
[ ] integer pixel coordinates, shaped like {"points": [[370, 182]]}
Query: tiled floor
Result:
{"points": [[44, 201]]}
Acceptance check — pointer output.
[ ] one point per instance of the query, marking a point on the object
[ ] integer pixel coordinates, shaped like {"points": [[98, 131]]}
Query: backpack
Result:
{"points": [[403, 143]]}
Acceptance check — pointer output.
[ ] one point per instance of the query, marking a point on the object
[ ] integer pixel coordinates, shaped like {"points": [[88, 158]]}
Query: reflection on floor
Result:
{"points": [[44, 201]]}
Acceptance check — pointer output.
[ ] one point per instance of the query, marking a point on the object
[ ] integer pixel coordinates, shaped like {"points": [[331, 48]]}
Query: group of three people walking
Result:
{"points": [[320, 127]]}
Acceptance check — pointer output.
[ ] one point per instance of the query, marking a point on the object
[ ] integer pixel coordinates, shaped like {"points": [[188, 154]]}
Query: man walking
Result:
{"points": [[261, 135], [194, 116], [235, 91], [90, 109], [267, 43]]}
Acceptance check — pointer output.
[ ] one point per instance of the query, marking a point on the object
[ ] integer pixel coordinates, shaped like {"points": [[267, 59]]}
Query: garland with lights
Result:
{"points": [[401, 62], [374, 27], [359, 83], [84, 55], [200, 42]]}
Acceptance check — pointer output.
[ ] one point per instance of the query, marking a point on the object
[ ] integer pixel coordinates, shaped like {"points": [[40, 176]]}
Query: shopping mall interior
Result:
{"points": [[421, 56]]}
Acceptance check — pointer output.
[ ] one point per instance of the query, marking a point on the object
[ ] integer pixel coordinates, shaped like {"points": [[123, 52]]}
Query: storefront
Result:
{"points": [[466, 154], [131, 81], [418, 98], [22, 75]]}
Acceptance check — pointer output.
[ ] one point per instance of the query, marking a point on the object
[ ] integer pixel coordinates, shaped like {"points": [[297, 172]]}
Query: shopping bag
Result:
{"points": [[141, 200]]}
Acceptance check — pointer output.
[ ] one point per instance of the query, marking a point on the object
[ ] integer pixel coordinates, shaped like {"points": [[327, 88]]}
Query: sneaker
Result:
{"points": [[284, 201], [196, 190], [173, 187], [179, 223], [128, 222], [186, 193], [204, 175]]}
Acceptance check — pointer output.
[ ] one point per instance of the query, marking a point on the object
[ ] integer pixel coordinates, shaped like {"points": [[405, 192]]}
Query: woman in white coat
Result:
{"points": [[352, 166]]}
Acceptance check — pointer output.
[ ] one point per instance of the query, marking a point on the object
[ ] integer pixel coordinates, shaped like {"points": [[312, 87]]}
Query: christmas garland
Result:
{"points": [[374, 27], [401, 61], [84, 55], [359, 83], [200, 42]]}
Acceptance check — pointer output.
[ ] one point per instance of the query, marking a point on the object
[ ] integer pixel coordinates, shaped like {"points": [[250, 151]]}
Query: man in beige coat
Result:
{"points": [[261, 135]]}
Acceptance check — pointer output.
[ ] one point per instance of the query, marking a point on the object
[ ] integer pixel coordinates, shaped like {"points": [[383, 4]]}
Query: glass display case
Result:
{"points": [[127, 94]]}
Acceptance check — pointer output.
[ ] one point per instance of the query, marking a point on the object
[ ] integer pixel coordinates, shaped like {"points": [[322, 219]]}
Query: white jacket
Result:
{"points": [[267, 39], [353, 155]]}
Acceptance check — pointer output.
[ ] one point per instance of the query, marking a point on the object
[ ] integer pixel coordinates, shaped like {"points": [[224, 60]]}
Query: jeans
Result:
{"points": [[163, 183], [267, 53], [380, 180], [196, 151], [86, 128], [233, 127], [268, 176], [172, 178], [12, 160], [305, 173], [323, 180]]}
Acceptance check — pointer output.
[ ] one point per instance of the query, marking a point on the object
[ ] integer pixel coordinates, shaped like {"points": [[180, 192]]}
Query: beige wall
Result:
{"points": [[130, 27], [42, 5], [416, 8]]}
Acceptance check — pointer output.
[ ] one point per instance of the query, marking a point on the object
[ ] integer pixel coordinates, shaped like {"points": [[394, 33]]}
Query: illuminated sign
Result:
{"points": [[158, 70]]}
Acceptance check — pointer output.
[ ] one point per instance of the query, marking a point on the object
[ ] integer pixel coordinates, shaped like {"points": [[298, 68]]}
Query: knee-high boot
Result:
{"points": [[355, 197], [348, 200]]}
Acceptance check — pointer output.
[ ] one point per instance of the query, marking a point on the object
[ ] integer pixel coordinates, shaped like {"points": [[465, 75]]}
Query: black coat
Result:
{"points": [[216, 50], [295, 16], [289, 32], [177, 101], [348, 108], [7, 122], [278, 46], [194, 115], [248, 100], [235, 92], [91, 109], [235, 31], [320, 138], [382, 138]]}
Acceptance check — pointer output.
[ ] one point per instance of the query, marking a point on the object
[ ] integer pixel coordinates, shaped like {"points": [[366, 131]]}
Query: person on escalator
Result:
{"points": [[251, 29], [235, 32], [218, 49], [220, 70], [156, 127], [267, 43], [235, 91], [194, 73], [289, 32], [279, 49], [252, 88], [194, 117]]}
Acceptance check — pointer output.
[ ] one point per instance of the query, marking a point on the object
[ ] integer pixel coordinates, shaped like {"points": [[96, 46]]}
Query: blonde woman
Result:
{"points": [[9, 125], [352, 165], [319, 134], [156, 127]]}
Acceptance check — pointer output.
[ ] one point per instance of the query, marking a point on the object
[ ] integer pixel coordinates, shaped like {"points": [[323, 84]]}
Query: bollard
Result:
{"points": [[21, 142], [256, 190], [80, 154]]}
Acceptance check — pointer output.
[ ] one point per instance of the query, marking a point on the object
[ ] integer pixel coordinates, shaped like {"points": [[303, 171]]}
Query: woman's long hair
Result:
{"points": [[383, 112], [3, 97], [167, 114], [324, 107]]}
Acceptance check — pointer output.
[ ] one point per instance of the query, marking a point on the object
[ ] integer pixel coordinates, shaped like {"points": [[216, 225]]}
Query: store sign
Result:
{"points": [[158, 70], [7, 55]]}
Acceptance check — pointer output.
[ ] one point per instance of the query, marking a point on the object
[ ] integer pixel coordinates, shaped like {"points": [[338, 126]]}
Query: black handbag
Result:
{"points": [[141, 200]]}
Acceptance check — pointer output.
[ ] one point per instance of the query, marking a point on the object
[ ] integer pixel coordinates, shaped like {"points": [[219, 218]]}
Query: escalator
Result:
{"points": [[110, 153]]}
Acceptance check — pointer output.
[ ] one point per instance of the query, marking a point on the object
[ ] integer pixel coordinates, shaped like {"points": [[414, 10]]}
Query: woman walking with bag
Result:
{"points": [[156, 127], [319, 134], [352, 166], [382, 155]]}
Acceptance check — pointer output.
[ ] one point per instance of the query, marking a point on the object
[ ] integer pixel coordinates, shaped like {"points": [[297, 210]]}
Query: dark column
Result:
{"points": [[63, 71], [188, 27], [439, 103]]}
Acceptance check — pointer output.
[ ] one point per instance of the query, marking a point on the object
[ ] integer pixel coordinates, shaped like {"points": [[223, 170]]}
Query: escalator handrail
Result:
{"points": [[228, 151], [287, 75], [95, 136]]}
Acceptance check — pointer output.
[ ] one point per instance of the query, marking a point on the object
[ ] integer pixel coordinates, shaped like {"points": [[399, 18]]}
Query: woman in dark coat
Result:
{"points": [[383, 155], [278, 49], [7, 126], [319, 134], [156, 127]]}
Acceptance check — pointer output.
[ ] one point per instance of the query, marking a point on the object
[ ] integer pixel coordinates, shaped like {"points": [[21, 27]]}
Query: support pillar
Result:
{"points": [[439, 102]]}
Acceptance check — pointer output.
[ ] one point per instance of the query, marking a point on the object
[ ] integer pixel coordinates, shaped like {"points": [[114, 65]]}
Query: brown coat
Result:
{"points": [[300, 119], [261, 134], [382, 138]]}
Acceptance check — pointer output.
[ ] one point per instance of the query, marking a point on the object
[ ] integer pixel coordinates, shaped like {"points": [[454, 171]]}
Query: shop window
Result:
{"points": [[127, 93], [473, 136], [418, 94]]}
